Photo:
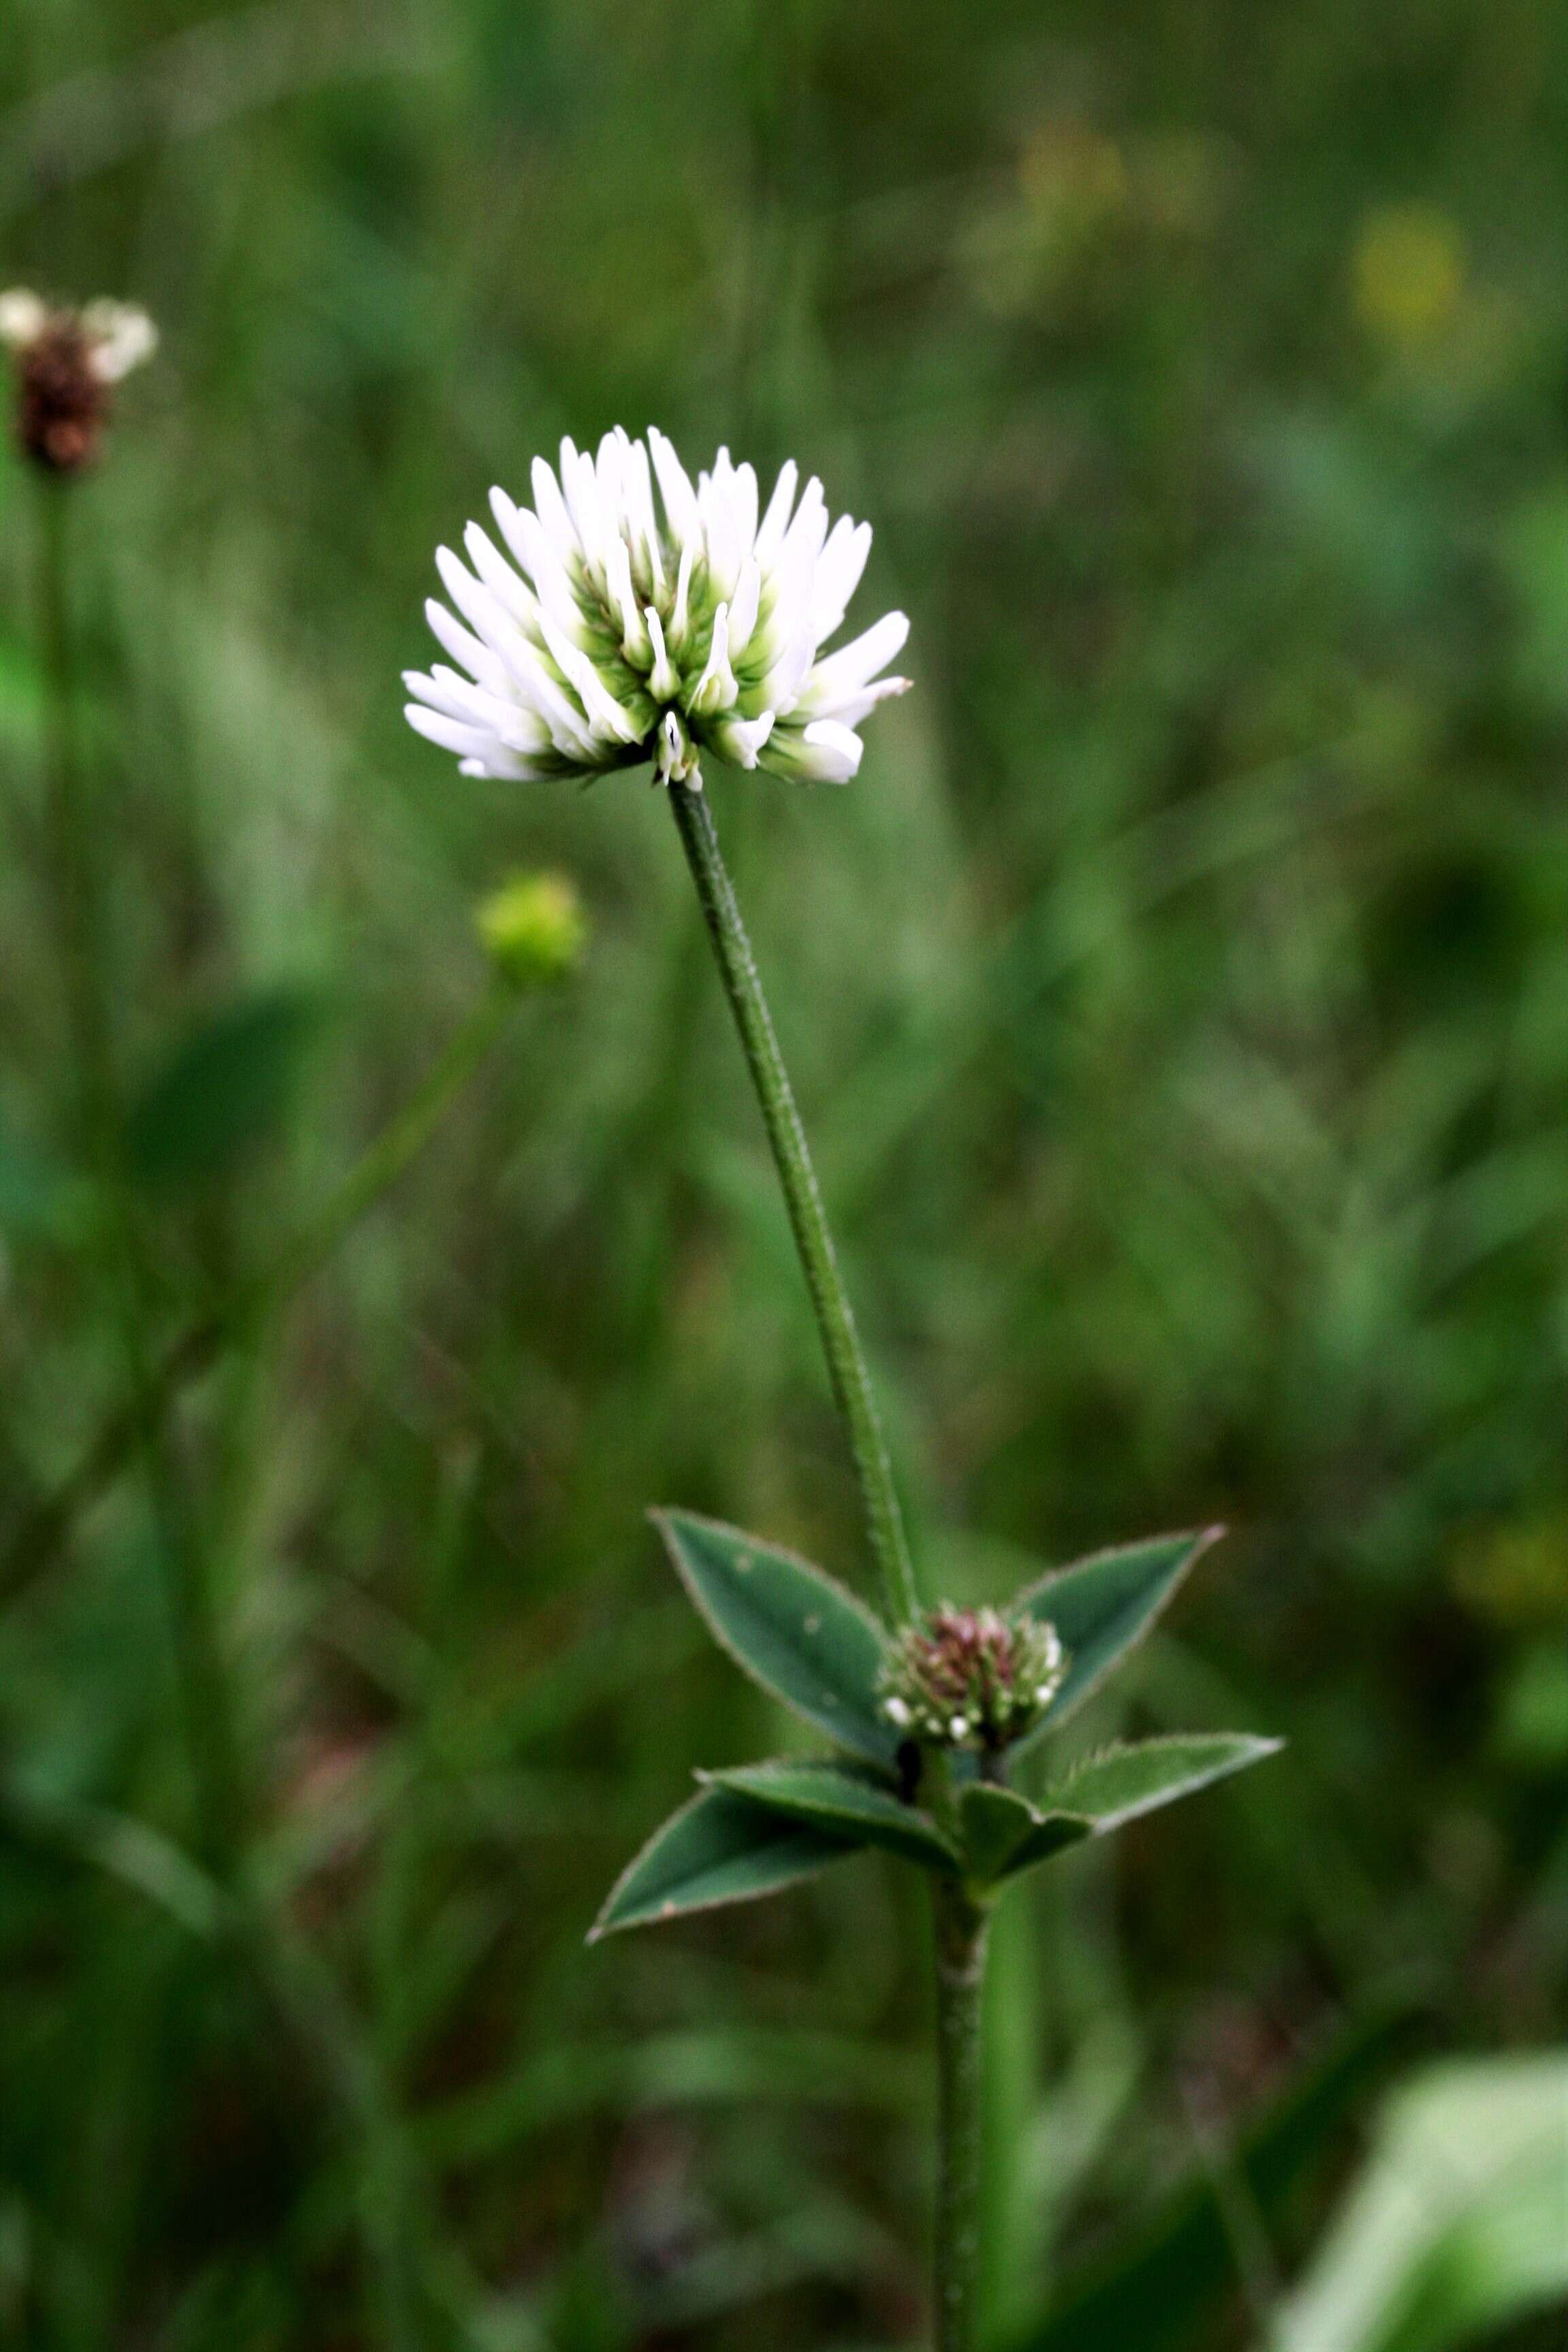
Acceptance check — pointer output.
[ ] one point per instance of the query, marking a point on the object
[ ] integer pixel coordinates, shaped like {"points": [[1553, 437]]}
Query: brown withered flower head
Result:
{"points": [[68, 363], [971, 1678]]}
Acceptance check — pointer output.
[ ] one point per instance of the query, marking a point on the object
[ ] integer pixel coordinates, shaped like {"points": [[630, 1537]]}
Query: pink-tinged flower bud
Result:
{"points": [[972, 1678]]}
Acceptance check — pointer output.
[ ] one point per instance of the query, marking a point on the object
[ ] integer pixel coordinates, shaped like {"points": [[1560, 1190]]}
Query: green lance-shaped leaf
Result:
{"points": [[805, 1639], [846, 1803], [1122, 1782], [719, 1848], [1103, 1605], [1003, 1832]]}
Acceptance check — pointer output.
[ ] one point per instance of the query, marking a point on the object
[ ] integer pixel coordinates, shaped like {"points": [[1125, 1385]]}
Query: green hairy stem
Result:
{"points": [[962, 1927], [846, 1360]]}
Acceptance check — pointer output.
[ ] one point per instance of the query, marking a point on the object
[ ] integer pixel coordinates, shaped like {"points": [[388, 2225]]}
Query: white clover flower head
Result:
{"points": [[629, 616], [68, 364]]}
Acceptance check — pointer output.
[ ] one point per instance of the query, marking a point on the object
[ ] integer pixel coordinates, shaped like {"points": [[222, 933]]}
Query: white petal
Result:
{"points": [[605, 713], [847, 672], [482, 611], [635, 641], [444, 690], [771, 532], [722, 518], [743, 611], [664, 678], [462, 644], [809, 528], [580, 487], [536, 551], [738, 740], [609, 473], [837, 751], [451, 734], [782, 685], [857, 706], [641, 518], [507, 514], [716, 689], [823, 754], [838, 570], [507, 586], [743, 499], [681, 620], [549, 507], [675, 484], [516, 723]]}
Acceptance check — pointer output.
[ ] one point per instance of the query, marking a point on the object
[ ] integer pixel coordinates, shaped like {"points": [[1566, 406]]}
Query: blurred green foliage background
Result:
{"points": [[1179, 1005]]}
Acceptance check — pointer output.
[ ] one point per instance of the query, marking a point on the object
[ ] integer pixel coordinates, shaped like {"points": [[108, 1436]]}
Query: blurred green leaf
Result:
{"points": [[1004, 1833], [846, 1802], [1103, 1605], [721, 1848], [224, 1093], [1157, 2283], [806, 1639], [1123, 1782], [41, 1199], [706, 2066], [21, 692], [1534, 545], [1533, 1715], [1458, 2222]]}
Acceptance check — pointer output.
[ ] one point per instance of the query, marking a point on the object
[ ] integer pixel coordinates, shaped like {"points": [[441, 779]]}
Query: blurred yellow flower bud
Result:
{"points": [[533, 929], [1407, 273]]}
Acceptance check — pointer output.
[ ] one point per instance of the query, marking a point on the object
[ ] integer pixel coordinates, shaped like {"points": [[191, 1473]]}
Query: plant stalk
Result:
{"points": [[962, 1927], [846, 1360], [69, 830], [210, 1729]]}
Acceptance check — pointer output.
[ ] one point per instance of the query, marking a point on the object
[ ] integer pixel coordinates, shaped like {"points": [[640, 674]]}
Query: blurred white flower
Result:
{"points": [[632, 617], [120, 337], [68, 363], [114, 336]]}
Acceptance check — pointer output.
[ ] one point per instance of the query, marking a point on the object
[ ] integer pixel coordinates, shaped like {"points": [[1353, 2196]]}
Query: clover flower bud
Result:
{"points": [[971, 1678], [532, 930], [628, 617], [68, 363]]}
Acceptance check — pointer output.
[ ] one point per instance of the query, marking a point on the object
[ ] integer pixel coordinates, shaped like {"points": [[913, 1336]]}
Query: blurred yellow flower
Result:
{"points": [[533, 929], [1407, 273], [1073, 176], [1517, 1574]]}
